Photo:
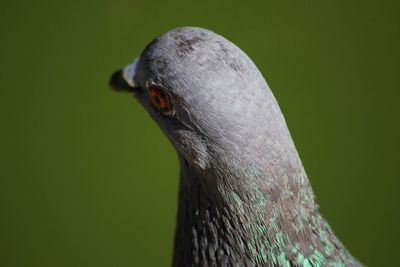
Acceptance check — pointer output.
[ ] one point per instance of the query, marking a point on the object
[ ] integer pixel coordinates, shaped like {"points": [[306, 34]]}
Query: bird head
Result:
{"points": [[207, 96]]}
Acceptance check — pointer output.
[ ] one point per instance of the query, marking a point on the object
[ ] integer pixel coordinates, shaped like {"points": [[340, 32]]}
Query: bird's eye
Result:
{"points": [[159, 99]]}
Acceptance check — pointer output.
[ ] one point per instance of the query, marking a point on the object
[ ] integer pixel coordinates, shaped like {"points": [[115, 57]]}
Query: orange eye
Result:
{"points": [[159, 100]]}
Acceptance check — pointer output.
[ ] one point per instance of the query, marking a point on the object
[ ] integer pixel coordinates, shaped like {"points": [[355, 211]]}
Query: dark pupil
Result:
{"points": [[157, 99]]}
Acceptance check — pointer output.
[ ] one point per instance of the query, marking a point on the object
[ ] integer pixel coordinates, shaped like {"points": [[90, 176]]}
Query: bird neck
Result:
{"points": [[245, 217]]}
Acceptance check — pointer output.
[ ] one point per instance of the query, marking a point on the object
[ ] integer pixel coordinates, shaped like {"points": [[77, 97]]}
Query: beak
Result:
{"points": [[124, 80], [118, 83]]}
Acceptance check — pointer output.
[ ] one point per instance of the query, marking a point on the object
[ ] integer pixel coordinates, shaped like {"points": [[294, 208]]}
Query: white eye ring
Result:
{"points": [[129, 72]]}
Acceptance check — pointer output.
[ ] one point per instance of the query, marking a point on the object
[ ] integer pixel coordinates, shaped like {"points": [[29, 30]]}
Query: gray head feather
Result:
{"points": [[223, 100]]}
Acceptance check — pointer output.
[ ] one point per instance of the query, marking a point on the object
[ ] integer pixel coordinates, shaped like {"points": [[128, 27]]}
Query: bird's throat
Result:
{"points": [[251, 221], [222, 219]]}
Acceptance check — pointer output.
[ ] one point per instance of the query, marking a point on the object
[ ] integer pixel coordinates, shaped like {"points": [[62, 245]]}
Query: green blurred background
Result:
{"points": [[87, 178]]}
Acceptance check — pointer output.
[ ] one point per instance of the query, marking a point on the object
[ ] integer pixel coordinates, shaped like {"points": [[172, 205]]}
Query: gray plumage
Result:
{"points": [[244, 197]]}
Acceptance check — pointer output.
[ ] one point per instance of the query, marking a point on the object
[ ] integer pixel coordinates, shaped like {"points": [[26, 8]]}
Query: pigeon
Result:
{"points": [[244, 198]]}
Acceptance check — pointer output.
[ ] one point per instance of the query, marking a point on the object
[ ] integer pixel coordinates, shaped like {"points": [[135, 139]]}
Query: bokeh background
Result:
{"points": [[87, 178]]}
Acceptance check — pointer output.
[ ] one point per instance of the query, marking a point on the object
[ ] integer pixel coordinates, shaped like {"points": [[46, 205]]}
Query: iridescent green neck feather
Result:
{"points": [[252, 219]]}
